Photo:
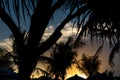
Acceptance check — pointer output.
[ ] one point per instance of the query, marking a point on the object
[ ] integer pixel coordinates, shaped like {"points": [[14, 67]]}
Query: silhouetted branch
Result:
{"points": [[12, 26]]}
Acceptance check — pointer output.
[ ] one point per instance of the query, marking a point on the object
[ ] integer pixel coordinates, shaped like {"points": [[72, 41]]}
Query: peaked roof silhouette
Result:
{"points": [[75, 77]]}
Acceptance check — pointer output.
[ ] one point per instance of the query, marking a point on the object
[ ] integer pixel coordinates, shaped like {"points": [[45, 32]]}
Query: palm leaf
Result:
{"points": [[45, 60], [38, 70], [99, 51], [115, 50]]}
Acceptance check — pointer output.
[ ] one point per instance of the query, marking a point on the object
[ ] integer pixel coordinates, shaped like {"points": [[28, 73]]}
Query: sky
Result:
{"points": [[4, 31], [88, 49]]}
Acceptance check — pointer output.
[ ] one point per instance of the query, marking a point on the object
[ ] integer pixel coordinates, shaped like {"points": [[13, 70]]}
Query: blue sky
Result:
{"points": [[4, 30]]}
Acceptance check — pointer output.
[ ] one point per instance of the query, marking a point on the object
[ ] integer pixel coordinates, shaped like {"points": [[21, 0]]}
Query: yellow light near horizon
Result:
{"points": [[73, 71], [80, 75], [70, 73]]}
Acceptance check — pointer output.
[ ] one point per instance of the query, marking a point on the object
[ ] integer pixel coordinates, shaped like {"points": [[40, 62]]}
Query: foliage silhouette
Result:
{"points": [[90, 64], [61, 58], [103, 22], [7, 65], [87, 14], [6, 58], [39, 13]]}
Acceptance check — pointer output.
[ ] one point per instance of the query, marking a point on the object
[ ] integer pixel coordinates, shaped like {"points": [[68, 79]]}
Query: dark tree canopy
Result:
{"points": [[97, 17]]}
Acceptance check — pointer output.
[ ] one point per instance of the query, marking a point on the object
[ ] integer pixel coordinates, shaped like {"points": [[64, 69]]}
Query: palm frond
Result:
{"points": [[99, 51], [45, 60], [38, 70], [7, 58], [63, 56], [115, 50], [90, 64]]}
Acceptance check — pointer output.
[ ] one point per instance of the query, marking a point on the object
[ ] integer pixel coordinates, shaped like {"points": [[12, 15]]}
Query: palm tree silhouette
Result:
{"points": [[91, 64], [62, 56], [42, 11], [102, 22]]}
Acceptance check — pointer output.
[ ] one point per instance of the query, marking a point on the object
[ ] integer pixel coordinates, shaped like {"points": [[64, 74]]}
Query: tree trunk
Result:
{"points": [[27, 63], [25, 71]]}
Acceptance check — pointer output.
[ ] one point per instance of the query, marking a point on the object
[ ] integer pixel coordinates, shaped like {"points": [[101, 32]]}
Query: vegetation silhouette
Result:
{"points": [[106, 75], [6, 65], [62, 56], [91, 64], [6, 58], [39, 13], [43, 78], [102, 22], [87, 14]]}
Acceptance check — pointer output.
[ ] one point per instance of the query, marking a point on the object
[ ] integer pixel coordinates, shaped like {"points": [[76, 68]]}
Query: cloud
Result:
{"points": [[6, 44], [67, 31], [49, 30]]}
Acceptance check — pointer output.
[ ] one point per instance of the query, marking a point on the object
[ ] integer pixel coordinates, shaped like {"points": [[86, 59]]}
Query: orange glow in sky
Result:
{"points": [[73, 71]]}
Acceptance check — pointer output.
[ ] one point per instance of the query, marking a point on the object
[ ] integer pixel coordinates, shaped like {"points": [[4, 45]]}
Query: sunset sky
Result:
{"points": [[89, 48], [27, 17]]}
